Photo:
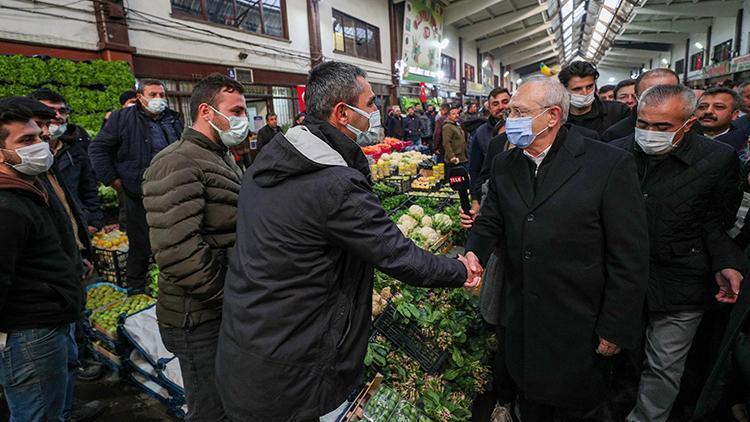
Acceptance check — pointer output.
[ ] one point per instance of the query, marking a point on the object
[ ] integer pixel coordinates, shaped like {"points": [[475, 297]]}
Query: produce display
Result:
{"points": [[106, 319], [103, 295], [153, 281], [111, 240], [387, 405], [108, 196]]}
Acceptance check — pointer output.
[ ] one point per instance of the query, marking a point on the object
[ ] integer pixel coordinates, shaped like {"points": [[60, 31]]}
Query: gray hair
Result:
{"points": [[657, 95], [555, 94], [331, 83]]}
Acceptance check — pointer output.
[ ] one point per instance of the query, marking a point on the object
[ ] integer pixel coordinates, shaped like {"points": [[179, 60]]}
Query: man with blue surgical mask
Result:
{"points": [[691, 188], [565, 218], [122, 151], [191, 234]]}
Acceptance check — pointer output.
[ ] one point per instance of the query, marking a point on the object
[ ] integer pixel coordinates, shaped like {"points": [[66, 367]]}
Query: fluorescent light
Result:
{"points": [[506, 74], [606, 16], [444, 43], [600, 27], [611, 79], [664, 61], [643, 69], [566, 8], [698, 45], [485, 62], [519, 81], [613, 4]]}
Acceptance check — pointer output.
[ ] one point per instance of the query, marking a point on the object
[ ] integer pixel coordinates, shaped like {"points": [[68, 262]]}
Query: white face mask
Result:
{"points": [[371, 135], [35, 159], [656, 143], [237, 132], [581, 101], [156, 105], [56, 131]]}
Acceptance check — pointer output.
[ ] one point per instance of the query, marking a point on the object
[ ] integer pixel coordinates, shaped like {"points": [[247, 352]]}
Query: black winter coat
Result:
{"points": [[602, 116], [122, 149], [692, 196], [621, 129], [74, 167], [265, 134], [575, 243], [298, 293]]}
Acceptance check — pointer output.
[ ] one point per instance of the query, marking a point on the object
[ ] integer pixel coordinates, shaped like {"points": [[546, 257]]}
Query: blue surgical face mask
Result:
{"points": [[372, 134], [156, 105], [519, 130]]}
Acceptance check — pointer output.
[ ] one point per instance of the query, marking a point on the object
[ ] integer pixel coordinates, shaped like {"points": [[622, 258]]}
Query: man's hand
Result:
{"points": [[89, 269], [474, 270], [467, 220], [92, 229], [729, 281], [475, 207], [117, 184], [454, 160], [606, 348]]}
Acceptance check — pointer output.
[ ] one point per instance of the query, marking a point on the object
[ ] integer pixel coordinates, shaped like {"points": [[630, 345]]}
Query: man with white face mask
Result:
{"points": [[586, 109], [122, 151], [567, 218], [191, 234], [41, 294], [690, 185]]}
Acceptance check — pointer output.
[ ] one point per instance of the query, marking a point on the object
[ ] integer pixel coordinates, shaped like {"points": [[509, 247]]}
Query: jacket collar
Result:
{"points": [[685, 152], [31, 188], [192, 135]]}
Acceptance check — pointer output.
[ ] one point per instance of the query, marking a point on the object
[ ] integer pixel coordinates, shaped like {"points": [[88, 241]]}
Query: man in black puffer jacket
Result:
{"points": [[691, 186], [70, 145], [310, 231]]}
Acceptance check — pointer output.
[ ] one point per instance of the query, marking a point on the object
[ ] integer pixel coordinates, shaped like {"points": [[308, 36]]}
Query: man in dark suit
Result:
{"points": [[717, 109], [567, 217], [648, 79], [691, 189]]}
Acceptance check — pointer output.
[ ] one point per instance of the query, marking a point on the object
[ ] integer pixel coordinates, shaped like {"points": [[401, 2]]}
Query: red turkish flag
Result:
{"points": [[301, 97], [422, 92]]}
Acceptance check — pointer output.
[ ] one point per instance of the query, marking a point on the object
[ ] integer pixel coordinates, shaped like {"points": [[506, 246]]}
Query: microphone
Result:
{"points": [[459, 181]]}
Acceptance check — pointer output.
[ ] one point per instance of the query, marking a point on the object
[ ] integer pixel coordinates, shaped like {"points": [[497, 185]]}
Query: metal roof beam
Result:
{"points": [[684, 26], [674, 38], [702, 8], [517, 48], [524, 55], [477, 30], [502, 40], [457, 11], [531, 60]]}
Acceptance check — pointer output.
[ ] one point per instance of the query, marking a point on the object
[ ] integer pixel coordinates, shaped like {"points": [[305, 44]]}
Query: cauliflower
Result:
{"points": [[442, 223], [386, 157], [426, 221], [430, 235], [416, 211], [406, 224]]}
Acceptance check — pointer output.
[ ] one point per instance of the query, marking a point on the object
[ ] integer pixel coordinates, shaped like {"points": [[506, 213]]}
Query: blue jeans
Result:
{"points": [[34, 373], [73, 366]]}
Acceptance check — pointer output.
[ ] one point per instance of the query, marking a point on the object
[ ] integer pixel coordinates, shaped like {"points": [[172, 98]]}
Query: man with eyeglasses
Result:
{"points": [[565, 217], [690, 185]]}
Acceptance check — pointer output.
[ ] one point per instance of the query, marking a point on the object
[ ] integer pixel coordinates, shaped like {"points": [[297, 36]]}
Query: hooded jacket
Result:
{"points": [[40, 263], [298, 292], [602, 116]]}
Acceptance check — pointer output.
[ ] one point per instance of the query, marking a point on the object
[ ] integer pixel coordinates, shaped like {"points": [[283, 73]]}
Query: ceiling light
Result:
{"points": [[698, 45], [444, 43], [506, 74], [664, 61], [613, 4], [611, 79], [519, 81], [606, 16]]}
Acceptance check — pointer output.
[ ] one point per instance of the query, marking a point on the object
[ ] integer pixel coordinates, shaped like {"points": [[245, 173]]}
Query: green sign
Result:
{"points": [[423, 33]]}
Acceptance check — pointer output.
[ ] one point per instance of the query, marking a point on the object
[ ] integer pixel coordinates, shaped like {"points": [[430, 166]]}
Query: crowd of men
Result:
{"points": [[607, 227]]}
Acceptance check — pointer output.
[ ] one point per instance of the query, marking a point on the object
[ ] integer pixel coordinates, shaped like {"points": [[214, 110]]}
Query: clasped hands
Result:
{"points": [[474, 270]]}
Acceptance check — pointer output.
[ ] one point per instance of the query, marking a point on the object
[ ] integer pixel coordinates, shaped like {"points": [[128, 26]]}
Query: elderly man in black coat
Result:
{"points": [[691, 187], [567, 217]]}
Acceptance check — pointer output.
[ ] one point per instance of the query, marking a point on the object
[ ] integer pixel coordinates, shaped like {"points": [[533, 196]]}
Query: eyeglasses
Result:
{"points": [[521, 112]]}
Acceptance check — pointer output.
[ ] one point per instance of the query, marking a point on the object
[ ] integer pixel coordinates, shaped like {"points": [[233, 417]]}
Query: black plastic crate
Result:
{"points": [[111, 265], [409, 338]]}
